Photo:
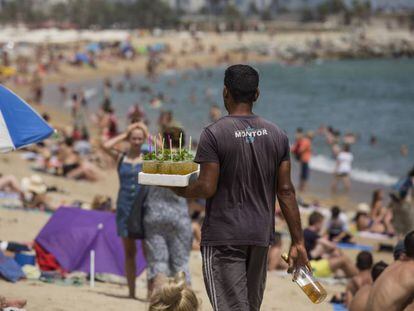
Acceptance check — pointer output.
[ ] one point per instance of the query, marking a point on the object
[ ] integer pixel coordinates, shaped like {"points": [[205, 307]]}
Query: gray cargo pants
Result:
{"points": [[235, 276]]}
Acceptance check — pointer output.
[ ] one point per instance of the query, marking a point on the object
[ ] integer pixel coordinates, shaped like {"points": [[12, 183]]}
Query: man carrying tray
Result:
{"points": [[245, 164]]}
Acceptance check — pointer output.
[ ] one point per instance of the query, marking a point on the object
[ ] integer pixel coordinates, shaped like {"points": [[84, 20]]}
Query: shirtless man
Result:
{"points": [[394, 289], [360, 299], [364, 264]]}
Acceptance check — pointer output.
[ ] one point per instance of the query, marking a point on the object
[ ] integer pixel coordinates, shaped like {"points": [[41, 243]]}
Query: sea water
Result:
{"points": [[366, 97]]}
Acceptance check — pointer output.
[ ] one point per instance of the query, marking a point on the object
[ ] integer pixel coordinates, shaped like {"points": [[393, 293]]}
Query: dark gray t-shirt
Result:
{"points": [[249, 150]]}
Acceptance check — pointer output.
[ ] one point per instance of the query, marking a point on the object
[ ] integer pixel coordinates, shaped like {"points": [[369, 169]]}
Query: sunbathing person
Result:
{"points": [[11, 303], [364, 264], [326, 258], [365, 223], [73, 166], [359, 301], [394, 289], [9, 183], [35, 193]]}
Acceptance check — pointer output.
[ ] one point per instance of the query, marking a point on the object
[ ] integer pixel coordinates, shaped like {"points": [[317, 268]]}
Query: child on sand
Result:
{"points": [[174, 296]]}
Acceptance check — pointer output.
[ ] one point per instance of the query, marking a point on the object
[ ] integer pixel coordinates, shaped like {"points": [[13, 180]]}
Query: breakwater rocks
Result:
{"points": [[339, 46]]}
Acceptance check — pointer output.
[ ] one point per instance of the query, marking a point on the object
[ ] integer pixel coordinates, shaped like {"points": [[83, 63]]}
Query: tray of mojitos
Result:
{"points": [[175, 168]]}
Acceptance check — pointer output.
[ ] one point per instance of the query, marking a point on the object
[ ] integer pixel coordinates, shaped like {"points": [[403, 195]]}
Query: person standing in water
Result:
{"points": [[245, 164], [129, 165], [343, 169]]}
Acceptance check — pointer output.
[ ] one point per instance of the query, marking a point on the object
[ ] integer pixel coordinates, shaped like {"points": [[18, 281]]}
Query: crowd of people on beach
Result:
{"points": [[172, 224]]}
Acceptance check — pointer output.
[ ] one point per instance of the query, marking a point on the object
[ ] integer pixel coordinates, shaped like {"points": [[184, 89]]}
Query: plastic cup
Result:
{"points": [[150, 167]]}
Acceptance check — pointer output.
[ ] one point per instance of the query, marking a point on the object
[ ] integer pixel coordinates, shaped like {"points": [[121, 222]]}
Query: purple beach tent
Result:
{"points": [[20, 125], [71, 234]]}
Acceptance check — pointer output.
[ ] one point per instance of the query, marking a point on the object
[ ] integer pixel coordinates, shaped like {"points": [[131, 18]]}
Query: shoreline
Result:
{"points": [[319, 187]]}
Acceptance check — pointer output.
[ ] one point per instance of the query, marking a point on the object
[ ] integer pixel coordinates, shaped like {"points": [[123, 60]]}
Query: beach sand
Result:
{"points": [[281, 293]]}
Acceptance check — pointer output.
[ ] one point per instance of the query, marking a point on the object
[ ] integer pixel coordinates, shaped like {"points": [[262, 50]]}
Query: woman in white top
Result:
{"points": [[343, 168]]}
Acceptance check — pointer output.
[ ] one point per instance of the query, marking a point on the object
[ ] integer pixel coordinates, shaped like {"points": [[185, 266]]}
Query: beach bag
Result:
{"points": [[136, 218], [9, 269]]}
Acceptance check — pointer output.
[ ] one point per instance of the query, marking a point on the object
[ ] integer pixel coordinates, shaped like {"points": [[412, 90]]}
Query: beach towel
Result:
{"points": [[373, 236], [9, 269], [358, 247], [339, 307]]}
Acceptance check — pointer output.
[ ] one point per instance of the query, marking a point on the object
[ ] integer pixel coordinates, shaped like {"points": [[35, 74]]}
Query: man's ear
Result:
{"points": [[225, 92], [256, 96]]}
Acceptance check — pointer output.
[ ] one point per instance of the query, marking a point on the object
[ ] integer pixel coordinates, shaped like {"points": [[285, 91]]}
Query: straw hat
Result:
{"points": [[363, 208], [34, 184]]}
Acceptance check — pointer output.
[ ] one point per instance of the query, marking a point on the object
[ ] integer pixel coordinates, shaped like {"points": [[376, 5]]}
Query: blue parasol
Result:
{"points": [[20, 125]]}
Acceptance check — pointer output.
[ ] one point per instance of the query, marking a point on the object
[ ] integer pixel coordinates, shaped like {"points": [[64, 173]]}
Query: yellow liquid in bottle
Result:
{"points": [[312, 288], [315, 292]]}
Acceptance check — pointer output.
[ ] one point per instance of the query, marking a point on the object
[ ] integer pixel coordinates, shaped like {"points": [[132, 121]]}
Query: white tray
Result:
{"points": [[166, 180]]}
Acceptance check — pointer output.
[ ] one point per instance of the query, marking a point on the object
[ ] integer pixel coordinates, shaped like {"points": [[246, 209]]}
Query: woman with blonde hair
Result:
{"points": [[174, 295], [129, 165]]}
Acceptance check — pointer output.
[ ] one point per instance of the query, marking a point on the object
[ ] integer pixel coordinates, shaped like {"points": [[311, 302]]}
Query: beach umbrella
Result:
{"points": [[71, 234], [82, 58], [20, 125]]}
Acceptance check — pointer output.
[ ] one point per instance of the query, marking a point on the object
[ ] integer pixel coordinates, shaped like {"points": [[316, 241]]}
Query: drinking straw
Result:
{"points": [[189, 146], [163, 142], [171, 153], [155, 145], [181, 139], [150, 144]]}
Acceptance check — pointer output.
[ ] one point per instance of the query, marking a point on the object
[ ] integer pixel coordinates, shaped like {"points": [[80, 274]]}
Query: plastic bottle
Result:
{"points": [[311, 287]]}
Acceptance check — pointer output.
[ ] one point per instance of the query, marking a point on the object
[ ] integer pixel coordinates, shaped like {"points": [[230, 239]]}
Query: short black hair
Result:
{"points": [[347, 147], [409, 244], [335, 211], [377, 269], [242, 82], [315, 218], [364, 260], [411, 172]]}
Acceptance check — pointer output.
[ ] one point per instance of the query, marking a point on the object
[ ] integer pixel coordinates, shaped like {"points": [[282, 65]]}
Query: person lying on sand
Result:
{"points": [[11, 303], [365, 223]]}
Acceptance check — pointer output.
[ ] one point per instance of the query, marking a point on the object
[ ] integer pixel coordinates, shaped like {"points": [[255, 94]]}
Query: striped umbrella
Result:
{"points": [[20, 125]]}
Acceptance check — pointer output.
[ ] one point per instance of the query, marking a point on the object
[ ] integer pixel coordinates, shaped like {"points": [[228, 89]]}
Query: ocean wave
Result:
{"points": [[325, 164]]}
